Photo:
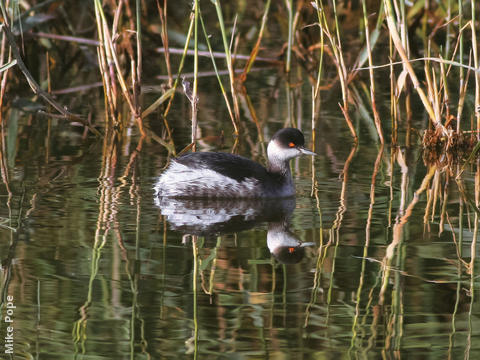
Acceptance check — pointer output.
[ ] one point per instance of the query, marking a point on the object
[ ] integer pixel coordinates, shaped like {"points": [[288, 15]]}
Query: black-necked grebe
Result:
{"points": [[210, 174]]}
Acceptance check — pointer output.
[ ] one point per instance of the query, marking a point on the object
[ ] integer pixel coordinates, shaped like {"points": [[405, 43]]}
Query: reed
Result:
{"points": [[110, 56], [460, 56], [194, 99], [175, 84], [376, 116], [476, 65], [416, 83], [228, 58], [320, 60], [336, 47], [19, 62], [119, 59], [289, 5], [162, 11], [220, 83], [256, 47], [137, 80]]}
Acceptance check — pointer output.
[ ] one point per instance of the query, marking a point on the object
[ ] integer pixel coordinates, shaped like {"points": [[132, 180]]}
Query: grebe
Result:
{"points": [[223, 175]]}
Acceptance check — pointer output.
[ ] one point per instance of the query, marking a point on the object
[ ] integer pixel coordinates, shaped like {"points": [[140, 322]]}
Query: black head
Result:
{"points": [[286, 144], [289, 138]]}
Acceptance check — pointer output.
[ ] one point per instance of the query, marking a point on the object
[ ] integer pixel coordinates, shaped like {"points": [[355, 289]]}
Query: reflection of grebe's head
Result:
{"points": [[288, 254], [284, 245]]}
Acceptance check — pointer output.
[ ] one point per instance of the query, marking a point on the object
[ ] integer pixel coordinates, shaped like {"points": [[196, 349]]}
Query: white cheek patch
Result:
{"points": [[182, 181], [280, 153]]}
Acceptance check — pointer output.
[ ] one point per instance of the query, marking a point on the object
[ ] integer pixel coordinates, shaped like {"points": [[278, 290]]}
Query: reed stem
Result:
{"points": [[162, 11], [376, 116], [401, 51], [222, 88], [289, 5], [195, 80], [228, 58], [253, 54], [476, 65], [460, 60]]}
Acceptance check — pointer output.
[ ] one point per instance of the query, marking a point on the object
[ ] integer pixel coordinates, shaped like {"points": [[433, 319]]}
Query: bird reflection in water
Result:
{"points": [[212, 217]]}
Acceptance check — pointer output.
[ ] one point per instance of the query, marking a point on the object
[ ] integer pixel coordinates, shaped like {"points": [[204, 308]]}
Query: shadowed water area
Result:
{"points": [[371, 259]]}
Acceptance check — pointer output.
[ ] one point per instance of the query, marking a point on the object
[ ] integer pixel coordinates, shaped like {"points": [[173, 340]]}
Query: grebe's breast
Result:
{"points": [[210, 174]]}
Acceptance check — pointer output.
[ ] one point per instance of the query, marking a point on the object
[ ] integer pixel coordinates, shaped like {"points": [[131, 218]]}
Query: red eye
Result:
{"points": [[291, 144], [291, 250]]}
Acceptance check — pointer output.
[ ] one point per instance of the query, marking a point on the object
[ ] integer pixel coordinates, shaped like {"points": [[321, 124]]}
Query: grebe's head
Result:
{"points": [[287, 144]]}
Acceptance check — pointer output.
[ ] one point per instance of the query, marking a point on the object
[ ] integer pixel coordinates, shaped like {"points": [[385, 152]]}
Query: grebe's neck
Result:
{"points": [[279, 166], [278, 162]]}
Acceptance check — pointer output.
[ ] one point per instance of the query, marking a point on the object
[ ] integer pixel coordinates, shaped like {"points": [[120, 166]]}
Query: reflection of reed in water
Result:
{"points": [[213, 217]]}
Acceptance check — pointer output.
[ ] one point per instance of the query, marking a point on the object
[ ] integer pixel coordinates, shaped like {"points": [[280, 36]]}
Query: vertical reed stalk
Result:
{"points": [[322, 43], [228, 57], [224, 93], [344, 76], [460, 60], [289, 5], [403, 27], [446, 91], [393, 96], [109, 86], [111, 53], [476, 65], [339, 62], [49, 123], [179, 72], [312, 192], [162, 11], [448, 29], [4, 74], [376, 116], [195, 79], [138, 14]]}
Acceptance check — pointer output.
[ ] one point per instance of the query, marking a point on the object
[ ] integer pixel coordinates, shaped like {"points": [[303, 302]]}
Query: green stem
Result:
{"points": [[195, 79], [289, 4]]}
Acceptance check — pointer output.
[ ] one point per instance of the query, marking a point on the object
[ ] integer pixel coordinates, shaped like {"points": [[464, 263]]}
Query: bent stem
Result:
{"points": [[31, 81], [401, 51], [253, 54]]}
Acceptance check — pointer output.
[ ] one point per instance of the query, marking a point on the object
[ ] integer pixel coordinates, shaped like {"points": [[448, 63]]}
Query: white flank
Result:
{"points": [[181, 181]]}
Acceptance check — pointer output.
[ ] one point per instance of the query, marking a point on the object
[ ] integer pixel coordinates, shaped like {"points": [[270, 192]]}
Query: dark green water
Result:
{"points": [[94, 272], [94, 268]]}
